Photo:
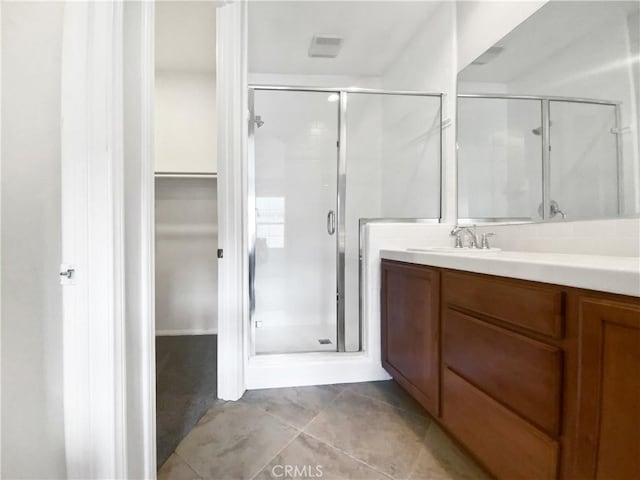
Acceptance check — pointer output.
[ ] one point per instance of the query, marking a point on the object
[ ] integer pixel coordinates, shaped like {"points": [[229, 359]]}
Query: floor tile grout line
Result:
{"points": [[301, 429], [200, 476], [298, 433], [424, 444], [425, 415], [321, 410], [427, 419], [280, 419], [350, 455]]}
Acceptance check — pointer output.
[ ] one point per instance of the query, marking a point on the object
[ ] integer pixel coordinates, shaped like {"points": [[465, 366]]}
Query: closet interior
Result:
{"points": [[186, 230]]}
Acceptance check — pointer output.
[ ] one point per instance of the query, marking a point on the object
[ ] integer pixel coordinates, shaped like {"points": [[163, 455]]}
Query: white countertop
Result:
{"points": [[593, 272]]}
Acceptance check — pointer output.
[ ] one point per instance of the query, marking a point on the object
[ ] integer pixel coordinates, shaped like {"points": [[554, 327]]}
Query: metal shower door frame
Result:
{"points": [[341, 180], [545, 116]]}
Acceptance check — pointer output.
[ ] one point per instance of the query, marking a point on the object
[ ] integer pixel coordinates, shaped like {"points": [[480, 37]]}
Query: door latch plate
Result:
{"points": [[67, 274]]}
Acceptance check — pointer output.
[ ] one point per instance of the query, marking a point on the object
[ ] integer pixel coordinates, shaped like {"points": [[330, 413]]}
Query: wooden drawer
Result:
{"points": [[507, 445], [535, 307], [525, 374]]}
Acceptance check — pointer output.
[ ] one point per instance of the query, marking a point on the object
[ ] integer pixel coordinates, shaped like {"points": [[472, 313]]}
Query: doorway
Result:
{"points": [[186, 226]]}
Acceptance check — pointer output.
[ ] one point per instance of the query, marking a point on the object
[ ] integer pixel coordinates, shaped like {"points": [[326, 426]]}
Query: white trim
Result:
{"points": [[186, 331], [92, 241], [147, 258], [231, 91], [300, 369], [114, 31], [1, 231], [139, 77]]}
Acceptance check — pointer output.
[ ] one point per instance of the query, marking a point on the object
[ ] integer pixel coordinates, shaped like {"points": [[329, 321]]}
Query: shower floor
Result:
{"points": [[295, 338]]}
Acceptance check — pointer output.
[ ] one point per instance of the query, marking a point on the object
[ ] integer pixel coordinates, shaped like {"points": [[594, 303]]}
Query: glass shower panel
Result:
{"points": [[583, 160], [295, 189], [499, 158], [392, 171], [410, 156]]}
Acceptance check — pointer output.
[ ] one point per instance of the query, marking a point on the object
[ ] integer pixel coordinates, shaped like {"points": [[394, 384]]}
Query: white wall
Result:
{"points": [[32, 403], [616, 236], [428, 63], [185, 131], [186, 256], [483, 23]]}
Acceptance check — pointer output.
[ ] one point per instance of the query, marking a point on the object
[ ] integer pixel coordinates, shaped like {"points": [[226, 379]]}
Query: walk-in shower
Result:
{"points": [[321, 161]]}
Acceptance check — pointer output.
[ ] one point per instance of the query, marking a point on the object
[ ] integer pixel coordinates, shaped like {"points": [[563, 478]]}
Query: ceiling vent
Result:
{"points": [[325, 46], [488, 56]]}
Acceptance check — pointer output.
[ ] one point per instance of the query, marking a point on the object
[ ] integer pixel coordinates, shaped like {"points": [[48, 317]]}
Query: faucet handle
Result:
{"points": [[485, 239], [456, 233], [458, 241]]}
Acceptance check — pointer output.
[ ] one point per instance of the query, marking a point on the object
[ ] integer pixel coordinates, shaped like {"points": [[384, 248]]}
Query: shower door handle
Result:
{"points": [[331, 222]]}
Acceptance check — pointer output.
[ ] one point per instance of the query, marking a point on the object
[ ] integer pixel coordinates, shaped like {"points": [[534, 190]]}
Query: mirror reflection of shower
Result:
{"points": [[516, 150]]}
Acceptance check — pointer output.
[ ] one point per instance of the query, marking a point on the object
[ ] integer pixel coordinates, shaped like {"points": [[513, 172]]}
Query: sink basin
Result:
{"points": [[469, 251]]}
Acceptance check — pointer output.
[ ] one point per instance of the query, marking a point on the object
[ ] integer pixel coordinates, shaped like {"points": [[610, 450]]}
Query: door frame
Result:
{"points": [[250, 219], [135, 430], [232, 122]]}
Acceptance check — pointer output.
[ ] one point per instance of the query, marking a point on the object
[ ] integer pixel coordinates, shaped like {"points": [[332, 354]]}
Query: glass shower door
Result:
{"points": [[294, 183]]}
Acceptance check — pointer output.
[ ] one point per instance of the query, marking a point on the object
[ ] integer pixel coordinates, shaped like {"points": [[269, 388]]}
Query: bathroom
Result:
{"points": [[411, 248], [518, 145]]}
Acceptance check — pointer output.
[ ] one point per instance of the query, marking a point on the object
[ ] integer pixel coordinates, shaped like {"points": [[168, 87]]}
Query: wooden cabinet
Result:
{"points": [[525, 374], [501, 388], [410, 335], [536, 380], [508, 446], [608, 420]]}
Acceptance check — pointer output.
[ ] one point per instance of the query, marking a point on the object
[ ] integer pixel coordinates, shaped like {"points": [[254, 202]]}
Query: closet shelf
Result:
{"points": [[186, 229], [185, 175]]}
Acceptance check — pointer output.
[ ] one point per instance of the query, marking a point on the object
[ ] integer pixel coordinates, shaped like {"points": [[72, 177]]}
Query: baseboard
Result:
{"points": [[189, 331]]}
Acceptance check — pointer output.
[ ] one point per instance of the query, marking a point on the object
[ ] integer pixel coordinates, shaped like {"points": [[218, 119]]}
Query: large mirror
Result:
{"points": [[548, 118]]}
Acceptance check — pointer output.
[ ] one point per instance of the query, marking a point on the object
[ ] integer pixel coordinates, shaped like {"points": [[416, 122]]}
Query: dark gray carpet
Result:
{"points": [[186, 386]]}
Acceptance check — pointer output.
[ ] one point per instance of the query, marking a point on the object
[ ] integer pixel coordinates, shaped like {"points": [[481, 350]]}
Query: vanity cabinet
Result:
{"points": [[410, 330], [608, 420], [536, 380]]}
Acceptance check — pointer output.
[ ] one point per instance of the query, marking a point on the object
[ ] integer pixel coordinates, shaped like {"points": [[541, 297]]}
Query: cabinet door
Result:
{"points": [[410, 329], [608, 427]]}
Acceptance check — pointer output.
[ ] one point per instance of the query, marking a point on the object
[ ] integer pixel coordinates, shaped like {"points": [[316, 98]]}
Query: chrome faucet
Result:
{"points": [[485, 240], [473, 237]]}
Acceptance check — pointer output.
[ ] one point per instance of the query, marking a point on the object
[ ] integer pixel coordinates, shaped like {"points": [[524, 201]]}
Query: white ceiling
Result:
{"points": [[186, 36], [374, 34], [550, 30]]}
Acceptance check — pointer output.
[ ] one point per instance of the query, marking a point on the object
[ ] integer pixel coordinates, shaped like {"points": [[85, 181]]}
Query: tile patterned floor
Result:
{"points": [[364, 431]]}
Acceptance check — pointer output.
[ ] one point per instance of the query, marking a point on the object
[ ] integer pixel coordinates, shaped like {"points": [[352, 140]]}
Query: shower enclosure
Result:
{"points": [[322, 162], [538, 158]]}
